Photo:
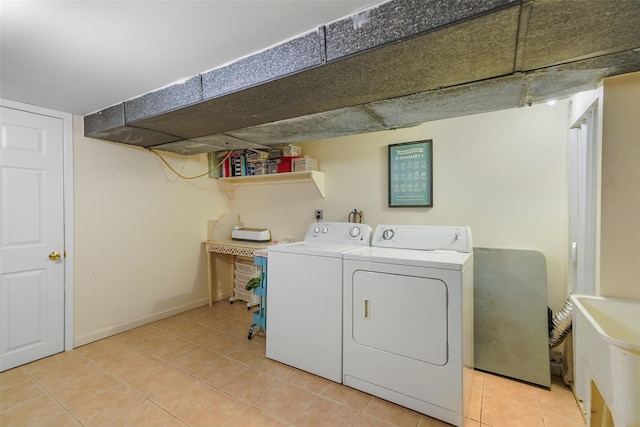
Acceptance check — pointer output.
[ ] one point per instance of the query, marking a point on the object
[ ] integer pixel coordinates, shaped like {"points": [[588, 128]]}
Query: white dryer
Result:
{"points": [[408, 318], [304, 310]]}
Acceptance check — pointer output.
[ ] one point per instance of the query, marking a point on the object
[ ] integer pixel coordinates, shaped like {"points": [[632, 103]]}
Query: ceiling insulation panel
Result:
{"points": [[399, 63]]}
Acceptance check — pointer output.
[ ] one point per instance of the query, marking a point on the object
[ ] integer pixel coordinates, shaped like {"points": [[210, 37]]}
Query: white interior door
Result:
{"points": [[31, 237], [584, 153], [583, 167]]}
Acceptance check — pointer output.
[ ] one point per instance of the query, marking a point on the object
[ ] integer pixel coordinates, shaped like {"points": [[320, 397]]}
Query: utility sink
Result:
{"points": [[607, 340]]}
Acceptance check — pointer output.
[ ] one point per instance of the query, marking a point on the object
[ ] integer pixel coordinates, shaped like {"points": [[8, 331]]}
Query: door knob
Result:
{"points": [[54, 256]]}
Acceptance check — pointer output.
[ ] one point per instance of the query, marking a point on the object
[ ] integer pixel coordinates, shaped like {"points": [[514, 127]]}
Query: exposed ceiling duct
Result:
{"points": [[397, 64]]}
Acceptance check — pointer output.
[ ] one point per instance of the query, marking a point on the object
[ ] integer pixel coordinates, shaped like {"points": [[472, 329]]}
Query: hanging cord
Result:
{"points": [[189, 177]]}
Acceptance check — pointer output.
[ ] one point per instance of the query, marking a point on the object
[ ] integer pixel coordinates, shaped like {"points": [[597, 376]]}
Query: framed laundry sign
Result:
{"points": [[411, 174]]}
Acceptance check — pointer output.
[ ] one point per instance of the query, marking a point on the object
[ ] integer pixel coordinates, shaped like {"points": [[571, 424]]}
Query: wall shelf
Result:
{"points": [[230, 185]]}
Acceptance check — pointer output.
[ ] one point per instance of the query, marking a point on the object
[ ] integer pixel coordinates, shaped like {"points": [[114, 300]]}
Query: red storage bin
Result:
{"points": [[286, 164]]}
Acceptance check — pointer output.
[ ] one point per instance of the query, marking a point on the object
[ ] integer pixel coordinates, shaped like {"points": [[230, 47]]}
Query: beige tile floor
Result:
{"points": [[199, 369]]}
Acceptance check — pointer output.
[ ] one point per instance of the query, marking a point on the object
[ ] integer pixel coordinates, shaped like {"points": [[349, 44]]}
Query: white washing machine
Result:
{"points": [[408, 318], [304, 309]]}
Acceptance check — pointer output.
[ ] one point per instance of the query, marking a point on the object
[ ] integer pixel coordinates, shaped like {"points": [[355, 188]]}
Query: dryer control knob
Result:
{"points": [[387, 234], [325, 230], [316, 230], [354, 232]]}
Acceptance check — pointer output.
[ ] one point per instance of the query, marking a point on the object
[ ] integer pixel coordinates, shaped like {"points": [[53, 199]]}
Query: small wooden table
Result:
{"points": [[234, 248]]}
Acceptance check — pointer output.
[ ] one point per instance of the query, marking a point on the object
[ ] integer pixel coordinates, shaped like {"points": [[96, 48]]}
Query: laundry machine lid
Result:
{"points": [[313, 248], [410, 257]]}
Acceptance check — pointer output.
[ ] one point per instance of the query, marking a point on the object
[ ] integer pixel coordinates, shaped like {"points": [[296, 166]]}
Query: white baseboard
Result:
{"points": [[222, 295], [125, 326]]}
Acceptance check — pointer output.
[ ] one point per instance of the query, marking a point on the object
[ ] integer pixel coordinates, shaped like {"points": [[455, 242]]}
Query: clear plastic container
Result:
{"points": [[272, 166], [305, 164], [259, 167], [257, 155], [291, 151], [285, 151]]}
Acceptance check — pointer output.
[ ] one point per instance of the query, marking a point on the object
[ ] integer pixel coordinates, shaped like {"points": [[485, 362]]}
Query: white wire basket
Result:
{"points": [[239, 293], [245, 277], [252, 269]]}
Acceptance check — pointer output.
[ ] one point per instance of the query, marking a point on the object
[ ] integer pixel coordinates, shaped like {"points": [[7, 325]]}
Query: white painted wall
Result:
{"points": [[138, 233], [620, 188], [502, 173], [138, 228]]}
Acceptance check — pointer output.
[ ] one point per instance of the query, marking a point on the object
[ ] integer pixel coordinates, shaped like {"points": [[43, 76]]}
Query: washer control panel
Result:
{"points": [[423, 237], [339, 232]]}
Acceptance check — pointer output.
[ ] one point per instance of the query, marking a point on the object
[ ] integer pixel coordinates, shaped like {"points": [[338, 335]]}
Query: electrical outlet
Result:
{"points": [[319, 214]]}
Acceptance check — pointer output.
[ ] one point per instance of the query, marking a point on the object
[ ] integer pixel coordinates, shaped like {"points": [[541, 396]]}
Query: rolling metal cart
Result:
{"points": [[260, 315]]}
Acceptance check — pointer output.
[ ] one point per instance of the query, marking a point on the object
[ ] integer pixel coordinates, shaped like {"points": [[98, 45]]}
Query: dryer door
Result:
{"points": [[401, 314]]}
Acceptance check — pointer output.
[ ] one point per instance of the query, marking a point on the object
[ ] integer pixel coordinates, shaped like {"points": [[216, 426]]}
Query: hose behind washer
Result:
{"points": [[561, 324]]}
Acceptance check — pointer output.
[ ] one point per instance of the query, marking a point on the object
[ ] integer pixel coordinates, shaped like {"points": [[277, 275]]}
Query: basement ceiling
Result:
{"points": [[397, 64], [82, 56]]}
